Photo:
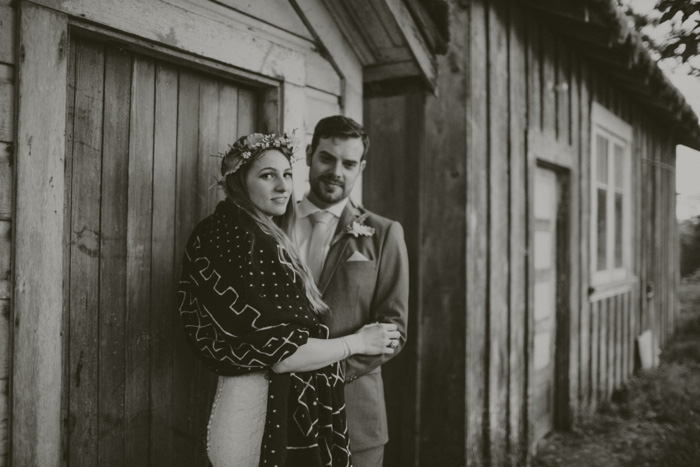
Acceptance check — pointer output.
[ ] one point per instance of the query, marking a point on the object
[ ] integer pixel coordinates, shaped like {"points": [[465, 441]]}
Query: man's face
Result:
{"points": [[333, 169]]}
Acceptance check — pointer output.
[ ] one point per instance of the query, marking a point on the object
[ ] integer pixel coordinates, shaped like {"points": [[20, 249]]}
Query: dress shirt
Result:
{"points": [[304, 226]]}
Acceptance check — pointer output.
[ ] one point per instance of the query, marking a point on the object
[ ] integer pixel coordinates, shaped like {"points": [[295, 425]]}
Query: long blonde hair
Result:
{"points": [[280, 228]]}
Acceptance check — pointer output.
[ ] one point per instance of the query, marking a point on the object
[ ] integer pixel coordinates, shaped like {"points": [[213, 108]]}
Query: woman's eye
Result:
{"points": [[266, 176], [288, 175]]}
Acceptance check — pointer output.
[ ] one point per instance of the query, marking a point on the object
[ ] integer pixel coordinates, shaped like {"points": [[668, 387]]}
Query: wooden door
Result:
{"points": [[546, 208], [139, 176]]}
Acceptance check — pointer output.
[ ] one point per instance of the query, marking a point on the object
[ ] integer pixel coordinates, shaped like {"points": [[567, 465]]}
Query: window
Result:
{"points": [[611, 235]]}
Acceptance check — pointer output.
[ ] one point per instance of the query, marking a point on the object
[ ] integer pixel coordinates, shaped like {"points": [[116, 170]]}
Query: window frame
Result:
{"points": [[617, 132]]}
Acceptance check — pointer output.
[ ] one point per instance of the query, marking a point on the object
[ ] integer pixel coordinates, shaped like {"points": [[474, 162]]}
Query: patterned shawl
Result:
{"points": [[244, 310]]}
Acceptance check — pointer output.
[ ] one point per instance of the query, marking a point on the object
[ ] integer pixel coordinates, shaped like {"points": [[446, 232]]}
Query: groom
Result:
{"points": [[360, 265]]}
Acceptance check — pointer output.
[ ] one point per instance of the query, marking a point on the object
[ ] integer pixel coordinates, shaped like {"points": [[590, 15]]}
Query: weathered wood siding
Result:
{"points": [[512, 95], [272, 51], [139, 175], [7, 137]]}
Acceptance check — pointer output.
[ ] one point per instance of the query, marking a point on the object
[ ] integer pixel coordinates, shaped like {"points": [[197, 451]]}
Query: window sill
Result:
{"points": [[617, 287]]}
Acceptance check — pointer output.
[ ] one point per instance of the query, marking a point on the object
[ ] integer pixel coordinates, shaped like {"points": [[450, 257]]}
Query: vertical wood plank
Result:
{"points": [[164, 266], [7, 33], [208, 166], [626, 340], [205, 381], [584, 199], [498, 235], [549, 117], [563, 91], [7, 105], [611, 344], [67, 207], [534, 122], [138, 263], [185, 218], [674, 252], [477, 223], [517, 70], [574, 239], [619, 322], [228, 116], [579, 328], [5, 256], [113, 224], [394, 140], [658, 285], [443, 438], [4, 379], [247, 112], [40, 152], [534, 67], [84, 252], [6, 179], [594, 353]]}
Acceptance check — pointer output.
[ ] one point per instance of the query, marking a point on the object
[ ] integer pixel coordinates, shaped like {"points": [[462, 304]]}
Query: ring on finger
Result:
{"points": [[393, 343]]}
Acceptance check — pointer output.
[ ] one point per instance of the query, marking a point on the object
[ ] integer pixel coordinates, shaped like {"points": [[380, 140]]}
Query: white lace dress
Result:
{"points": [[237, 421]]}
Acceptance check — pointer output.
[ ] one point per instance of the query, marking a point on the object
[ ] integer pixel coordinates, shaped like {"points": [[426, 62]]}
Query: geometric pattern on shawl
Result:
{"points": [[243, 310]]}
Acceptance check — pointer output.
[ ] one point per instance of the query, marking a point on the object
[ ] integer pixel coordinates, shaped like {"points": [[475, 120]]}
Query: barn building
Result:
{"points": [[527, 147]]}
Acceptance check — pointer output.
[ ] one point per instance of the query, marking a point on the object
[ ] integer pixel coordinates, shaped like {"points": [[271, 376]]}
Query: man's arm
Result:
{"points": [[390, 300]]}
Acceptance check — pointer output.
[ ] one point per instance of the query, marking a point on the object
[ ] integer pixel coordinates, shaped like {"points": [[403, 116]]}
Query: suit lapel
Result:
{"points": [[338, 245]]}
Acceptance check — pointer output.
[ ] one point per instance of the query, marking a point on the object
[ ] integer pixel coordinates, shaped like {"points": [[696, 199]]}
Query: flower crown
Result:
{"points": [[246, 148]]}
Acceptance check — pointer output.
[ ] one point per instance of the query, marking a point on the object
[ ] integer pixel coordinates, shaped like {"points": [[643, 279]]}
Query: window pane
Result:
{"points": [[602, 230], [619, 167], [618, 230], [602, 159]]}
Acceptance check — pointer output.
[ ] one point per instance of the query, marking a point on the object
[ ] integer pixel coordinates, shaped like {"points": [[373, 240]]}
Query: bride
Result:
{"points": [[251, 311]]}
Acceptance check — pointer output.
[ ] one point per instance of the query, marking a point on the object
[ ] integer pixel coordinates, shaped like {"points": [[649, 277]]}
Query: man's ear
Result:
{"points": [[309, 155], [363, 164]]}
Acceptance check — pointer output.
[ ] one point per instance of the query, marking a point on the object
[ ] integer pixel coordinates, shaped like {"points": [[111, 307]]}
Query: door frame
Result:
{"points": [[36, 379], [546, 151]]}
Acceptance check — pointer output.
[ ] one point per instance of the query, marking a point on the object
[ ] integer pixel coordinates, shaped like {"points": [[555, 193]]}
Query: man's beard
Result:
{"points": [[330, 197]]}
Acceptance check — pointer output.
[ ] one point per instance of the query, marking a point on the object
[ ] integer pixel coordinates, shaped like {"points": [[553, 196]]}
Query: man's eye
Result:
{"points": [[288, 175]]}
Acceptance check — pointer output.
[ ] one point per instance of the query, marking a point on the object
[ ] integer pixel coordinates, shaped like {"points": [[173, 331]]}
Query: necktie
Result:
{"points": [[319, 234]]}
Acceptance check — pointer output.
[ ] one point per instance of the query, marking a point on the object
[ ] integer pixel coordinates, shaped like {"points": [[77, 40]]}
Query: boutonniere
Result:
{"points": [[357, 228]]}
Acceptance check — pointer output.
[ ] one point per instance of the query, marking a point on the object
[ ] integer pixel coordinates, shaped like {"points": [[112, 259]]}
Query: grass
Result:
{"points": [[654, 420]]}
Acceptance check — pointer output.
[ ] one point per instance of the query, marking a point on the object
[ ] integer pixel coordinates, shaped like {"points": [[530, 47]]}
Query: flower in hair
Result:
{"points": [[249, 147]]}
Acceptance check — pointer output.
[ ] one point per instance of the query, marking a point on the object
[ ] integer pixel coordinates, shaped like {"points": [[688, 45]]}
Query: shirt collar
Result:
{"points": [[306, 207]]}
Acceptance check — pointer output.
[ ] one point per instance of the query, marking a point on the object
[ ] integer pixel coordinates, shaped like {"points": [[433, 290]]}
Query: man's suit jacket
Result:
{"points": [[361, 292]]}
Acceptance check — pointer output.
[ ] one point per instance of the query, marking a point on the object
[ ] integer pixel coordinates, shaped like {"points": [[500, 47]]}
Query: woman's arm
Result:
{"points": [[371, 339]]}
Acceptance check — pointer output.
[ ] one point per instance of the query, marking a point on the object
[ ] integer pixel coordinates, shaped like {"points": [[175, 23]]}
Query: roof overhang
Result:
{"points": [[600, 31], [393, 39]]}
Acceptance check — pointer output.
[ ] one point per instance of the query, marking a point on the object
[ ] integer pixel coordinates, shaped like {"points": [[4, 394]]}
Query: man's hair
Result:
{"points": [[341, 127]]}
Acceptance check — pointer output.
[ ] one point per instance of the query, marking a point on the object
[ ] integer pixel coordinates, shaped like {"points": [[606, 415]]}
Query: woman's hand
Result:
{"points": [[374, 339]]}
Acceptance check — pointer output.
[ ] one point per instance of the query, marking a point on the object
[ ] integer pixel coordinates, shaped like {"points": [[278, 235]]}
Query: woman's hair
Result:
{"points": [[280, 228]]}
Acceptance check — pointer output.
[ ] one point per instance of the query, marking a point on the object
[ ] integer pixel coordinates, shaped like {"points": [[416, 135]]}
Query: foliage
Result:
{"points": [[689, 231], [671, 30]]}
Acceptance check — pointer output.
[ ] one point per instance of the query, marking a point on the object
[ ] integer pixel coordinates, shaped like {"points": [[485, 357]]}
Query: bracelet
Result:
{"points": [[347, 352]]}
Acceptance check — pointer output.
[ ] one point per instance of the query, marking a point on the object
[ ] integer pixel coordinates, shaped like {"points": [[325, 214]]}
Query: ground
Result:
{"points": [[654, 420]]}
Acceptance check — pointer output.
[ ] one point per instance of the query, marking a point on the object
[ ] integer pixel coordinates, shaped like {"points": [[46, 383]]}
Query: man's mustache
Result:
{"points": [[332, 180]]}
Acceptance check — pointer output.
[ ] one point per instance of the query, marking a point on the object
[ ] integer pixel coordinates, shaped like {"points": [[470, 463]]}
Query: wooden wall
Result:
{"points": [[7, 96], [510, 95], [276, 52]]}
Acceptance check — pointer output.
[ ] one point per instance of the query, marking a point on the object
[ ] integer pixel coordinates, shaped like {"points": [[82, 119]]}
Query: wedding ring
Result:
{"points": [[393, 343]]}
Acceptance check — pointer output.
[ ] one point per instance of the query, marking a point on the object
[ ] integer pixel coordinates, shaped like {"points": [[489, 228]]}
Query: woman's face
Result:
{"points": [[269, 182]]}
